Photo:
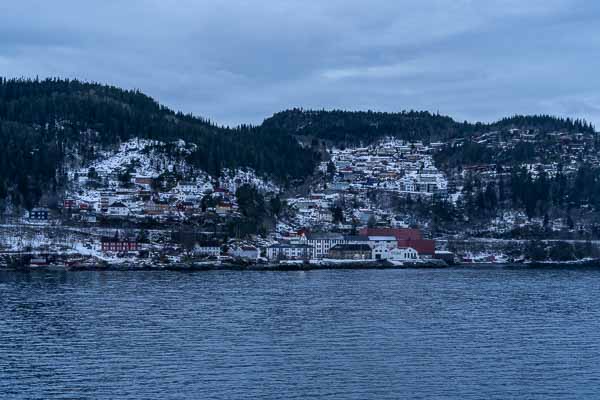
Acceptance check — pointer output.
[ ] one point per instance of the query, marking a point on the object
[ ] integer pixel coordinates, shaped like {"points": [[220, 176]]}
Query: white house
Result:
{"points": [[383, 246], [206, 187], [245, 252], [404, 254], [187, 187], [118, 209]]}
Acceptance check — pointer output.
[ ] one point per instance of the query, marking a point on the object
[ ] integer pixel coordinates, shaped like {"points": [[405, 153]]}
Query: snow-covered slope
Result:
{"points": [[144, 158], [232, 179]]}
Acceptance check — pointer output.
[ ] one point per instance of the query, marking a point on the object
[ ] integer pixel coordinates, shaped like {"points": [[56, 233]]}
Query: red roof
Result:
{"points": [[406, 238], [422, 246]]}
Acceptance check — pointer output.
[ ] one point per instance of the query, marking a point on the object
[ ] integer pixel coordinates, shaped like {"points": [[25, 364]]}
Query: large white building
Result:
{"points": [[207, 249], [320, 244], [289, 251]]}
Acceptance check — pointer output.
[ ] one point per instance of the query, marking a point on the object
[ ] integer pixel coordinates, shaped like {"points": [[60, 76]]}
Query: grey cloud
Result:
{"points": [[239, 61]]}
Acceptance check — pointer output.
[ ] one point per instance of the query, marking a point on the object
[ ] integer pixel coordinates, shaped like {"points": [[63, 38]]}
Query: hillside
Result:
{"points": [[48, 127], [45, 123]]}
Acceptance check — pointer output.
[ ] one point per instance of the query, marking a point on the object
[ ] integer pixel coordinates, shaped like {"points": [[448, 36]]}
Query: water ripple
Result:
{"points": [[456, 333]]}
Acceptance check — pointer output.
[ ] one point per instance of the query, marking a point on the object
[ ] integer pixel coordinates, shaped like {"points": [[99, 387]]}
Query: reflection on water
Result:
{"points": [[455, 333]]}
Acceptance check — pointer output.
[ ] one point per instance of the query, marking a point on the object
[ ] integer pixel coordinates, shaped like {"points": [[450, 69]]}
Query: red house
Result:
{"points": [[118, 245], [68, 204], [406, 238]]}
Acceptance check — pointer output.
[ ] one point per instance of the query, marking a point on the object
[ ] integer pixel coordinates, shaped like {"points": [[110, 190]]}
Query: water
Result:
{"points": [[459, 333]]}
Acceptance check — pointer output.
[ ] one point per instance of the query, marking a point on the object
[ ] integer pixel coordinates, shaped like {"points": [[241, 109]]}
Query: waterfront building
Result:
{"points": [[208, 248], [245, 253], [289, 251], [351, 252], [405, 238], [321, 243], [404, 254]]}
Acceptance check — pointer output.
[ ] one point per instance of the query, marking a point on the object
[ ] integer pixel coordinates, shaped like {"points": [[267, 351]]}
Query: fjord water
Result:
{"points": [[462, 333]]}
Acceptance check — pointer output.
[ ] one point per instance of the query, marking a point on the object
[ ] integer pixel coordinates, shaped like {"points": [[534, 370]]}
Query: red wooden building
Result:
{"points": [[116, 244]]}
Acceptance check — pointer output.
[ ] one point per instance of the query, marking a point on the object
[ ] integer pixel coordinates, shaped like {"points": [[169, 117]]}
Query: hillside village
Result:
{"points": [[96, 174], [138, 202], [144, 203]]}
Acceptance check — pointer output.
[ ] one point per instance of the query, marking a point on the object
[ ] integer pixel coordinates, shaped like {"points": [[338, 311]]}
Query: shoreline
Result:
{"points": [[287, 267], [219, 266]]}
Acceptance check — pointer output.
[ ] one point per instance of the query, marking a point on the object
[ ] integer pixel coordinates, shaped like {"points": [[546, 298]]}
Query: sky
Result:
{"points": [[235, 61]]}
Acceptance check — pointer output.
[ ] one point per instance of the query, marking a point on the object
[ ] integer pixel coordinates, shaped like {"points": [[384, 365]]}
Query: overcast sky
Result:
{"points": [[237, 61]]}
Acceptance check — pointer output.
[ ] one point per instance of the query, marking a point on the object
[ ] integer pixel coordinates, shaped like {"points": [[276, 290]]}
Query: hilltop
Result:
{"points": [[353, 127]]}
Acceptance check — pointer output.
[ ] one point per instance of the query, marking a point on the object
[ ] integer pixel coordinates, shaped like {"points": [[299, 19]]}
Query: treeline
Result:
{"points": [[352, 127], [561, 251], [543, 123], [39, 119], [536, 196], [28, 162]]}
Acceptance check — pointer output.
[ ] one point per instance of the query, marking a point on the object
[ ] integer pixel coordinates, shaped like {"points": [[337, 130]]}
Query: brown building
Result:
{"points": [[350, 252]]}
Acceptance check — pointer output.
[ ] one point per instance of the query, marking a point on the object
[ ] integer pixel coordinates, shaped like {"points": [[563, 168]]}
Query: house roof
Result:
{"points": [[382, 238], [325, 236], [208, 243], [106, 239], [351, 247], [289, 246], [356, 238]]}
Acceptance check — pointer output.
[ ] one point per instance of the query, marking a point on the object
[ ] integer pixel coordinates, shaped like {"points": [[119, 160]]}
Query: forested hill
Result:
{"points": [[45, 122], [348, 127], [42, 121]]}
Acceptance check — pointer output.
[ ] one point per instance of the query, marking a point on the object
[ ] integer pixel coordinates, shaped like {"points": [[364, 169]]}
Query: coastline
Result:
{"points": [[305, 266]]}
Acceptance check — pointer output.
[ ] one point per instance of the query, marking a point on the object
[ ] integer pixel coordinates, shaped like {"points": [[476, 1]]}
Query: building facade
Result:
{"points": [[117, 245], [289, 251], [39, 214], [351, 252], [245, 252], [207, 249]]}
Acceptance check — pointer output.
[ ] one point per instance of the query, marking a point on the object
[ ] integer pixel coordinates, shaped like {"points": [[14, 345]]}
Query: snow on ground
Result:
{"points": [[146, 155], [129, 152], [232, 179], [455, 197], [149, 160], [508, 221], [19, 242]]}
